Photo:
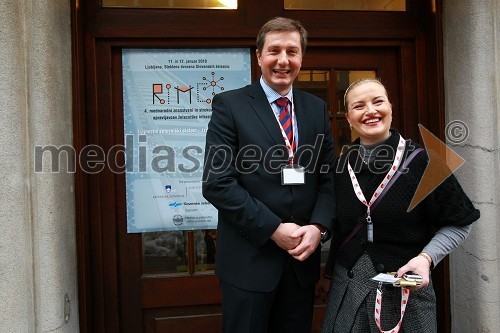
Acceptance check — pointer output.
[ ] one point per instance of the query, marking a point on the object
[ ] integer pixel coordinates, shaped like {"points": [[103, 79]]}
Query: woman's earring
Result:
{"points": [[350, 126]]}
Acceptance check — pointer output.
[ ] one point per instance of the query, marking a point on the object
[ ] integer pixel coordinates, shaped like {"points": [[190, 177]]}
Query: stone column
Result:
{"points": [[472, 95], [38, 275], [16, 242]]}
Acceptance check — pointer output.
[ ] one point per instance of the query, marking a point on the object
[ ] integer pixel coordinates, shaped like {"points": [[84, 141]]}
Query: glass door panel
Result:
{"points": [[174, 252], [205, 249], [188, 4], [318, 83], [165, 252], [359, 5]]}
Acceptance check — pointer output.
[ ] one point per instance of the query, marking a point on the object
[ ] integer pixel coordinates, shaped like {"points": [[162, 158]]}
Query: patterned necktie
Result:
{"points": [[286, 119]]}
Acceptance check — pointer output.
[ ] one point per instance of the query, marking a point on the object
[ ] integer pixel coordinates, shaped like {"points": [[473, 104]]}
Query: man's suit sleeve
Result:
{"points": [[220, 179], [324, 208]]}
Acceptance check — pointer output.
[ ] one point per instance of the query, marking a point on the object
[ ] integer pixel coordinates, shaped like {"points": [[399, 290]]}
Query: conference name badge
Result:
{"points": [[292, 175]]}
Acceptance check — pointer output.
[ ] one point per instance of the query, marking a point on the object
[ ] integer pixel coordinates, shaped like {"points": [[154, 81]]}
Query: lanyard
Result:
{"points": [[359, 193], [405, 295], [287, 142]]}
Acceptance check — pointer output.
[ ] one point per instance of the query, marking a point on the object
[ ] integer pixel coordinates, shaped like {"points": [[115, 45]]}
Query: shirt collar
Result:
{"points": [[272, 95]]}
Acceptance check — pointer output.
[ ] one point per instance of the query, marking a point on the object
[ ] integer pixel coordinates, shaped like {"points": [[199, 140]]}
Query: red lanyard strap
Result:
{"points": [[405, 295], [358, 226], [396, 176], [380, 189]]}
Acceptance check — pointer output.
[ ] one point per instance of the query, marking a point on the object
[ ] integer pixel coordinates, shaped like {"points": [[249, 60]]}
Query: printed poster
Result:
{"points": [[167, 99]]}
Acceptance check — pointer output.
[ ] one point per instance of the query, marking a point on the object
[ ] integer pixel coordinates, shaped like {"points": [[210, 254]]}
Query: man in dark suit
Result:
{"points": [[268, 170]]}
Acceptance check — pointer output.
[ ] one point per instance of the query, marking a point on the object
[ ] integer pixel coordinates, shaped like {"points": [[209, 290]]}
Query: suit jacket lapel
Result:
{"points": [[260, 105]]}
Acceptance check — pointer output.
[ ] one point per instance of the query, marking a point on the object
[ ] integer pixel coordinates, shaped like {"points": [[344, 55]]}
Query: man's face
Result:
{"points": [[280, 60]]}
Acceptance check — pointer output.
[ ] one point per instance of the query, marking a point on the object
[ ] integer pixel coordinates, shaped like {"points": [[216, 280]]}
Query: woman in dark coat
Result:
{"points": [[396, 240]]}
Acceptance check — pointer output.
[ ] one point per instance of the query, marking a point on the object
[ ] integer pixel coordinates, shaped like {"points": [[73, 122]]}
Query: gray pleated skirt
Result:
{"points": [[351, 303]]}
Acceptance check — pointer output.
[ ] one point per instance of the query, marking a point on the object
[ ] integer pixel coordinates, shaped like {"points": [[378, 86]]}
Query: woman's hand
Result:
{"points": [[417, 265]]}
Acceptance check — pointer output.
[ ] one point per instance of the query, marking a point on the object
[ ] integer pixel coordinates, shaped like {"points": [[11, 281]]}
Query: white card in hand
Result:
{"points": [[385, 278]]}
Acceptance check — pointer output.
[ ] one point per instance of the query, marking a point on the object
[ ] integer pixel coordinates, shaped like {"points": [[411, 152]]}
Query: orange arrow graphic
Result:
{"points": [[443, 161]]}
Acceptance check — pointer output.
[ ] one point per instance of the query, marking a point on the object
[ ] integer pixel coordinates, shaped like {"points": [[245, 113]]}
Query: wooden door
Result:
{"points": [[125, 283]]}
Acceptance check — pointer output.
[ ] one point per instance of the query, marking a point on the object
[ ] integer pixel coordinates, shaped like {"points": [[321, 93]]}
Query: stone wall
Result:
{"points": [[38, 268], [472, 95]]}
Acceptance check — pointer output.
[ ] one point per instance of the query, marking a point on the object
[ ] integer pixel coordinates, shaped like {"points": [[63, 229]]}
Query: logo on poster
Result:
{"points": [[178, 219]]}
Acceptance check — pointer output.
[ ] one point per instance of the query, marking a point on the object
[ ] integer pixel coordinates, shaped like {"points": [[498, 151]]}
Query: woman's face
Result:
{"points": [[369, 112]]}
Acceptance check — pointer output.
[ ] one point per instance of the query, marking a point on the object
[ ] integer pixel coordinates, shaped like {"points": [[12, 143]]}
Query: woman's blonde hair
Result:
{"points": [[358, 83]]}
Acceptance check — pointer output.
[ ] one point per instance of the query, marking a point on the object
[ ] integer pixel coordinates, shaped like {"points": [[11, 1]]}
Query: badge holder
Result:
{"points": [[293, 175]]}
